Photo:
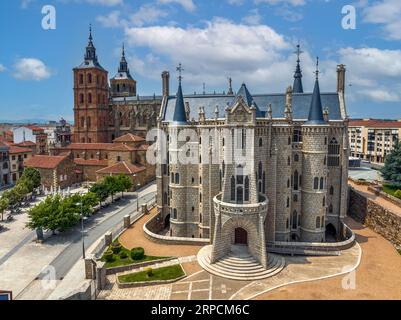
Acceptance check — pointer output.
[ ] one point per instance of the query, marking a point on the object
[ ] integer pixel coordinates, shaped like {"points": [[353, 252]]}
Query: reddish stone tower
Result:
{"points": [[91, 97]]}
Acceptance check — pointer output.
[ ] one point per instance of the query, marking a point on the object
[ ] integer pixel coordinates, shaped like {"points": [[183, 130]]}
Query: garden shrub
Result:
{"points": [[149, 271], [137, 253], [108, 256], [123, 255], [116, 247]]}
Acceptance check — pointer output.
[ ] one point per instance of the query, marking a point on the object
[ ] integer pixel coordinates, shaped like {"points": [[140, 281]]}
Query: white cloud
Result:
{"points": [[2, 68], [255, 54], [386, 13], [31, 69], [112, 20], [186, 4], [380, 95], [25, 3], [236, 2], [276, 2], [253, 18], [373, 73], [106, 2], [147, 14]]}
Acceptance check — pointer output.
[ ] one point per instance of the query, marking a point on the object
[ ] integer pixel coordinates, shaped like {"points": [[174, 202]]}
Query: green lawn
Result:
{"points": [[389, 189], [118, 261], [399, 251], [165, 273]]}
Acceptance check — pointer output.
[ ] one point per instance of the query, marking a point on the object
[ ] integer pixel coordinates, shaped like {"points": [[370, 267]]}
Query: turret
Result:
{"points": [[314, 170], [122, 84], [298, 87]]}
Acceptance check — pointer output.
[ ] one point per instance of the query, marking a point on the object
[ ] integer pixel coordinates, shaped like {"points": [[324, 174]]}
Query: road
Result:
{"points": [[95, 227]]}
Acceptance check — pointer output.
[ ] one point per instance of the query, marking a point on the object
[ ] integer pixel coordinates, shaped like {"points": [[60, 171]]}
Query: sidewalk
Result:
{"points": [[20, 269]]}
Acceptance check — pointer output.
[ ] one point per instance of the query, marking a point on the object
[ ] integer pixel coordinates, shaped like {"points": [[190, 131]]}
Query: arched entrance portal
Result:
{"points": [[241, 236], [167, 222], [331, 233]]}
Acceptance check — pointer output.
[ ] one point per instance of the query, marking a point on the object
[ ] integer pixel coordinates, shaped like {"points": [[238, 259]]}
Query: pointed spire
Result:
{"points": [[179, 115], [298, 87], [90, 52], [230, 87], [316, 110], [123, 62]]}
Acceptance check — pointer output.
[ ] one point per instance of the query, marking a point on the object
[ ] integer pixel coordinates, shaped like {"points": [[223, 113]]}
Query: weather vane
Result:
{"points": [[180, 69], [298, 52], [317, 68]]}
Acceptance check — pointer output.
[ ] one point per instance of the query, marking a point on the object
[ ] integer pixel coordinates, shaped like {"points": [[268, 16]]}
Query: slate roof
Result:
{"points": [[316, 111], [178, 113], [249, 100], [300, 105]]}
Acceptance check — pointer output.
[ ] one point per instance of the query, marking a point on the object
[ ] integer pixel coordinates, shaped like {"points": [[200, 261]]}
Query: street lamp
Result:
{"points": [[82, 229], [137, 192]]}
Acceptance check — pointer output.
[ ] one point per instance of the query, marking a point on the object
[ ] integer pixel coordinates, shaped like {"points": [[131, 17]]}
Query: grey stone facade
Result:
{"points": [[274, 176]]}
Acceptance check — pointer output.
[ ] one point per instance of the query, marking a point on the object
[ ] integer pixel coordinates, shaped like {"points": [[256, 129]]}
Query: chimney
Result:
{"points": [[166, 83], [341, 78]]}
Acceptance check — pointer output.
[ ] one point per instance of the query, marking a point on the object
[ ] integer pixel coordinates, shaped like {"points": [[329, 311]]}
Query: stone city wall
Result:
{"points": [[377, 218]]}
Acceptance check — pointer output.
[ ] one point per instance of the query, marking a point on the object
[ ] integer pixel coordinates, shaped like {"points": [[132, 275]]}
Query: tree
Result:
{"points": [[111, 184], [101, 191], [392, 167], [124, 183], [3, 206], [89, 200], [32, 175]]}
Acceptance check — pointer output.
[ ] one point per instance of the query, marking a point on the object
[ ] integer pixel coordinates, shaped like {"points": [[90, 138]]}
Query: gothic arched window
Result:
{"points": [[260, 169], [246, 188], [89, 98], [317, 222], [316, 183], [296, 180], [331, 190], [177, 178], [232, 188], [321, 183]]}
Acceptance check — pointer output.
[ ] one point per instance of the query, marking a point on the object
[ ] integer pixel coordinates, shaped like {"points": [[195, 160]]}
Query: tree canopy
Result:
{"points": [[392, 167]]}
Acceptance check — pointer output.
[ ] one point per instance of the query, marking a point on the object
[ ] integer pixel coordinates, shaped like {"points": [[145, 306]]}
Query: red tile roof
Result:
{"points": [[44, 162], [375, 123], [2, 144], [122, 168], [14, 149], [120, 147], [91, 162], [33, 127], [26, 144], [88, 146], [129, 137]]}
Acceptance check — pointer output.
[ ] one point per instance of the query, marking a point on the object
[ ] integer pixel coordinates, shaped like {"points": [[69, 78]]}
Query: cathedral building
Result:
{"points": [[104, 112], [271, 169]]}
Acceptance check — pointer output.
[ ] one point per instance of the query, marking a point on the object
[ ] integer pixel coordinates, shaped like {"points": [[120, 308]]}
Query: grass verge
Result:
{"points": [[164, 273], [123, 258]]}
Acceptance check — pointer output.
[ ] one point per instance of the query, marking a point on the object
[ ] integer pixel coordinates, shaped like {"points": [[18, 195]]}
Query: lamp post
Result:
{"points": [[137, 192], [82, 230]]}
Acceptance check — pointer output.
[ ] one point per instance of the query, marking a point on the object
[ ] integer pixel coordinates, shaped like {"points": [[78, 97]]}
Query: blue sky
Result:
{"points": [[251, 41]]}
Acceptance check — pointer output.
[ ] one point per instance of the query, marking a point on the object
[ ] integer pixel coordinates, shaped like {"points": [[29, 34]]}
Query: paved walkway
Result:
{"points": [[134, 237], [379, 200], [377, 277], [24, 262]]}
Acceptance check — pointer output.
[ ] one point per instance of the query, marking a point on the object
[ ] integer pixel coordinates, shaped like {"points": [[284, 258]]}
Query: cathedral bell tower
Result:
{"points": [[91, 98], [123, 85]]}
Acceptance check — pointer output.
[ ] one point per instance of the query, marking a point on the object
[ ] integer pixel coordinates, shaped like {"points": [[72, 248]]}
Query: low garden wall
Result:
{"points": [[290, 247], [151, 228], [374, 216], [128, 267]]}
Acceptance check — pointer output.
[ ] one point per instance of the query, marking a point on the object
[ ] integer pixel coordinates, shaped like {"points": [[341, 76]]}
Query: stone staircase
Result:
{"points": [[240, 265]]}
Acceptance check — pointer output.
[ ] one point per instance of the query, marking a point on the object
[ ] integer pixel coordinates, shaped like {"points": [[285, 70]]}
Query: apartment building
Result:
{"points": [[373, 139]]}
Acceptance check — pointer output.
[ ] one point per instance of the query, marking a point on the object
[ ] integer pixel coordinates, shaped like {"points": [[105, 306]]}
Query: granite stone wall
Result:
{"points": [[377, 218]]}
